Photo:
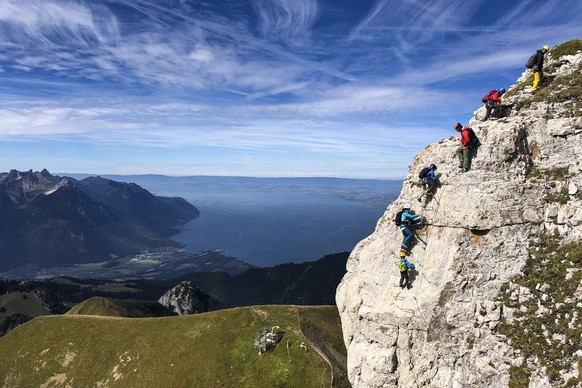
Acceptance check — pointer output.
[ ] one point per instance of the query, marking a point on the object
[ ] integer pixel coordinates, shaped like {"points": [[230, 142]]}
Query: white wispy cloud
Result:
{"points": [[50, 21], [287, 20], [96, 52], [411, 22], [457, 47], [533, 14], [203, 54], [301, 126]]}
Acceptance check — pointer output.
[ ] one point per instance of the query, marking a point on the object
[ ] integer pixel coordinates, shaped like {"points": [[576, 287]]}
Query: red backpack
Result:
{"points": [[487, 97]]}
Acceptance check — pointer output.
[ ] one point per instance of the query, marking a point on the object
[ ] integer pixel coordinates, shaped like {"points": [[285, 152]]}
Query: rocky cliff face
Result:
{"points": [[496, 295], [185, 299]]}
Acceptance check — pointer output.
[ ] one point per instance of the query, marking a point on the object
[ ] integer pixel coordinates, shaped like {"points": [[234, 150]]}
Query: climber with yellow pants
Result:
{"points": [[538, 66]]}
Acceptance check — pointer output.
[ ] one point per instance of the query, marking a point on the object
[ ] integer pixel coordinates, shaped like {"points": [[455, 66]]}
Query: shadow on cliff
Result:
{"points": [[412, 275]]}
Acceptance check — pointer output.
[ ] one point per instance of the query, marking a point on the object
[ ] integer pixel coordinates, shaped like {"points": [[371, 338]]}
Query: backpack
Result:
{"points": [[402, 266], [531, 61], [487, 97], [398, 218], [423, 172], [473, 138]]}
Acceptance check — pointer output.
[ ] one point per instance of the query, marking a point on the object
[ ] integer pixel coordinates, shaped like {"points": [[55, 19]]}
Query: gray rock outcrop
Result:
{"points": [[185, 299], [483, 227]]}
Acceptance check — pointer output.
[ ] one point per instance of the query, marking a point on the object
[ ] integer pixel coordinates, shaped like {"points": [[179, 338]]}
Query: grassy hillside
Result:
{"points": [[213, 349], [17, 308], [21, 303], [120, 308]]}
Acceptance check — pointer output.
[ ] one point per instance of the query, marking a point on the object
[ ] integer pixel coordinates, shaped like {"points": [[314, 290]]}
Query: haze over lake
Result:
{"points": [[265, 229], [269, 221]]}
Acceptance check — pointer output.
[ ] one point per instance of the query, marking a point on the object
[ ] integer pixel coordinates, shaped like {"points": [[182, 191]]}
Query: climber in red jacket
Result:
{"points": [[469, 144], [492, 101]]}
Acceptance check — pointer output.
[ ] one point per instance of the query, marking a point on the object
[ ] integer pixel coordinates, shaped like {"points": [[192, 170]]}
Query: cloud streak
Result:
{"points": [[287, 20], [49, 22]]}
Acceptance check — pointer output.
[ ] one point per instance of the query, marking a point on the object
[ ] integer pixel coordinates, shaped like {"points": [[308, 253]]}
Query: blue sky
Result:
{"points": [[345, 88]]}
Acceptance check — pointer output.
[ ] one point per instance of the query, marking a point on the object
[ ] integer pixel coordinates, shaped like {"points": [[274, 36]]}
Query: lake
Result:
{"points": [[269, 221], [265, 229]]}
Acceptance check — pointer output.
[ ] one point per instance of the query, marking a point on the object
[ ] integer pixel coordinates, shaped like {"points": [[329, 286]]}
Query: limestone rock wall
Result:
{"points": [[443, 331], [185, 299]]}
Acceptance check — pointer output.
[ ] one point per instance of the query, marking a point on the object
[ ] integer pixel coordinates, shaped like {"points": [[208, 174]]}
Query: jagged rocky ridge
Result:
{"points": [[496, 299], [50, 220], [185, 299]]}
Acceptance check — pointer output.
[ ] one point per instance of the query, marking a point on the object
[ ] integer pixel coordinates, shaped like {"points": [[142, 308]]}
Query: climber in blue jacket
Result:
{"points": [[429, 178], [407, 219]]}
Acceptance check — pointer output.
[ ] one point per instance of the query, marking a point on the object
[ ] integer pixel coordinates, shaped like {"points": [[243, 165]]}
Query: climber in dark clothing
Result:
{"points": [[538, 67], [428, 177]]}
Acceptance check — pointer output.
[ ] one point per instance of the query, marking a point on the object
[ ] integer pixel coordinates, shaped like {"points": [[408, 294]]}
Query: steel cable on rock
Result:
{"points": [[420, 263]]}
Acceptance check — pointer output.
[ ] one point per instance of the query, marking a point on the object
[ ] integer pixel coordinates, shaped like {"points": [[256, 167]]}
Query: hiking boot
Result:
{"points": [[408, 287]]}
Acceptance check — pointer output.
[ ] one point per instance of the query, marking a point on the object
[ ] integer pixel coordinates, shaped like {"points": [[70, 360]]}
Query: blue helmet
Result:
{"points": [[502, 90]]}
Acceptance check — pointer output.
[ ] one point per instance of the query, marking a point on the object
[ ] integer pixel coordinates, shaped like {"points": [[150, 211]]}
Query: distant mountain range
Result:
{"points": [[375, 192], [49, 220]]}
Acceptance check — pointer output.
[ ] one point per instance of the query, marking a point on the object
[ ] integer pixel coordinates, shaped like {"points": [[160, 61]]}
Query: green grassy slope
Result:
{"points": [[214, 349], [17, 308], [21, 303], [108, 307]]}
